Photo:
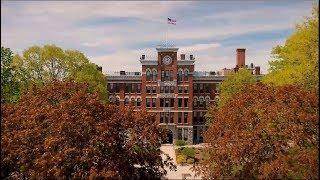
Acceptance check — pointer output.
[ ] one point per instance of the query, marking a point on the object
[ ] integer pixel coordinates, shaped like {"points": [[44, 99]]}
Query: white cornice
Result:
{"points": [[149, 62], [165, 49], [186, 62]]}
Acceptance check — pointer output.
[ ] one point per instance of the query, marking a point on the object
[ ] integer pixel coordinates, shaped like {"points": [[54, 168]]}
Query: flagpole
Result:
{"points": [[166, 45]]}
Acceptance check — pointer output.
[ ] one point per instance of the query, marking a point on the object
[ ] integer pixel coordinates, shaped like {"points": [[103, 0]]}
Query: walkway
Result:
{"points": [[181, 170]]}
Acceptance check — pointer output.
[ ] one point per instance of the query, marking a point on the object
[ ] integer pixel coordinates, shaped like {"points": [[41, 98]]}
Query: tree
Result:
{"points": [[9, 87], [39, 65], [264, 132], [64, 131], [233, 84], [297, 62]]}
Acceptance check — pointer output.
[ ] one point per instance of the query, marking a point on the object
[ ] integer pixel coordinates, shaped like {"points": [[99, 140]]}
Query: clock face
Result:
{"points": [[167, 60]]}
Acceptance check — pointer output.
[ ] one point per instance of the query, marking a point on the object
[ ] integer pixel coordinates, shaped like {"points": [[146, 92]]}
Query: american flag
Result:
{"points": [[172, 21]]}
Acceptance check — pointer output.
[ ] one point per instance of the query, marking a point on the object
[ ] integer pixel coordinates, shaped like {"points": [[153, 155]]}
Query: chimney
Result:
{"points": [[182, 56], [241, 57], [99, 68], [257, 70]]}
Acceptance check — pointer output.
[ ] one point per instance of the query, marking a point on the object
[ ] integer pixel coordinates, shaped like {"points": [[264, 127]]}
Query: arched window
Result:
{"points": [[132, 101], [148, 74], [201, 101], [195, 101], [138, 102], [112, 99], [180, 74], [118, 100], [126, 100], [154, 75], [186, 75]]}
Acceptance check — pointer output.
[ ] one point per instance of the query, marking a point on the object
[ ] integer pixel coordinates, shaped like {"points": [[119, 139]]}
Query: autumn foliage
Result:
{"points": [[63, 131], [264, 132]]}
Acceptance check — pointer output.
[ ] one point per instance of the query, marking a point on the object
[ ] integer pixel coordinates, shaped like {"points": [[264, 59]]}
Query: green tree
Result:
{"points": [[297, 62], [234, 84], [38, 65], [9, 87]]}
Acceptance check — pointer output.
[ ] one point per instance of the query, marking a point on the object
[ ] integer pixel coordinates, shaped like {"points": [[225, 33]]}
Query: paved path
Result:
{"points": [[181, 170]]}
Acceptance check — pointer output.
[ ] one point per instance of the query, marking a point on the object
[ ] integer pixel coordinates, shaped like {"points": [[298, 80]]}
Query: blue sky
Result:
{"points": [[115, 34]]}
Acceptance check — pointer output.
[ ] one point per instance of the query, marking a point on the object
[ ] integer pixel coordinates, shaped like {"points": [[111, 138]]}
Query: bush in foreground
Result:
{"points": [[65, 132], [264, 132], [180, 142]]}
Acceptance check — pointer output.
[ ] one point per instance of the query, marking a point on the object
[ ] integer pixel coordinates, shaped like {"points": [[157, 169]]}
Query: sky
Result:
{"points": [[115, 34]]}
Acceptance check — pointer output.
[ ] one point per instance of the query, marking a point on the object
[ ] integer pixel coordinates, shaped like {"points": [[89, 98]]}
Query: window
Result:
{"points": [[153, 102], [186, 90], [186, 102], [117, 101], [207, 99], [132, 102], [138, 102], [207, 88], [171, 89], [167, 117], [161, 117], [162, 76], [179, 89], [201, 117], [117, 89], [161, 102], [180, 102], [128, 88], [148, 89], [195, 88], [133, 88], [154, 89], [185, 134], [195, 119], [148, 73], [185, 117], [180, 75], [161, 89], [195, 102], [186, 74], [138, 88], [180, 133], [172, 102], [166, 89], [154, 75], [201, 88], [111, 87], [167, 75], [171, 117], [126, 101], [148, 102], [179, 117], [201, 99]]}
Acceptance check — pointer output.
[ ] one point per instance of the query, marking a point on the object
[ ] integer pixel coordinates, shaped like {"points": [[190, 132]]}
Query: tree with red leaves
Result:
{"points": [[63, 131], [264, 132]]}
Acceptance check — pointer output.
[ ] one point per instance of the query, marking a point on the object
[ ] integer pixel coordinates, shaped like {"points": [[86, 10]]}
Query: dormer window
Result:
{"points": [[143, 56], [191, 57], [182, 56]]}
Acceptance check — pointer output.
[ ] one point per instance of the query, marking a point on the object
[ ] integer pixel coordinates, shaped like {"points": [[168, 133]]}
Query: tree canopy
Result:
{"points": [[297, 62], [233, 84], [264, 132], [38, 65], [63, 131], [9, 87]]}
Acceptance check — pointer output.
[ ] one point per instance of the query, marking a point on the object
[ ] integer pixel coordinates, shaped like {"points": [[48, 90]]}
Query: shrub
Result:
{"points": [[180, 142], [189, 152], [190, 161], [181, 159]]}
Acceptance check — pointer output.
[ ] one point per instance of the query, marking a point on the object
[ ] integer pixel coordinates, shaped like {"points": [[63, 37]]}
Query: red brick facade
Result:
{"points": [[172, 89]]}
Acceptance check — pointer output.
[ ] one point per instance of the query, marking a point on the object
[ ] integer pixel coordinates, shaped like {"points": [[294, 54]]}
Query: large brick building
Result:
{"points": [[170, 87]]}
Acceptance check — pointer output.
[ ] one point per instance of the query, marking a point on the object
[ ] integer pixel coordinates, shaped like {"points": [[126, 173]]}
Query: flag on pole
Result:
{"points": [[172, 21]]}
